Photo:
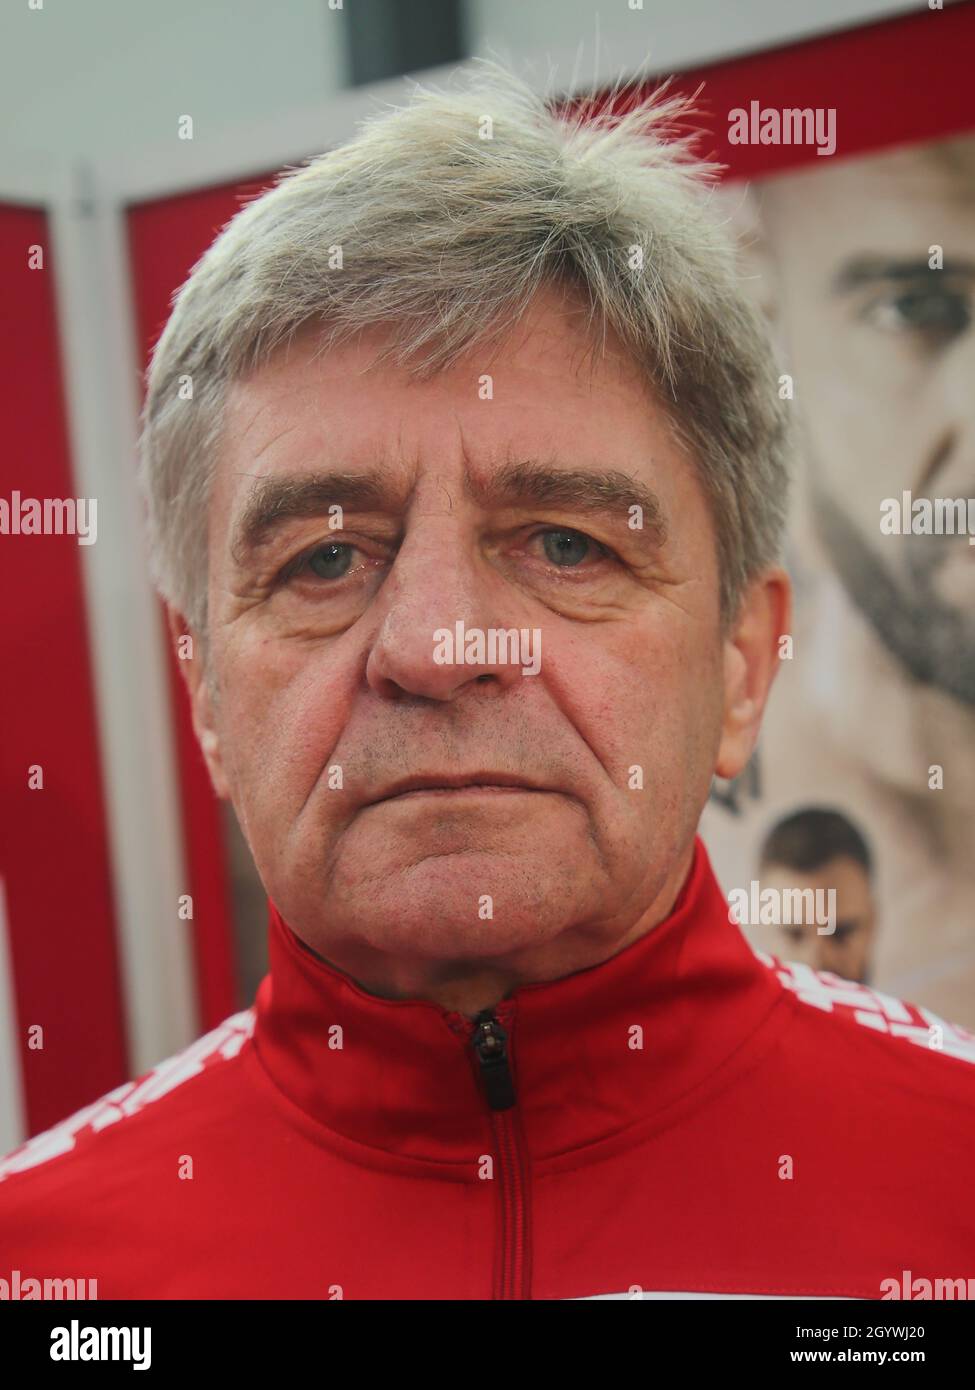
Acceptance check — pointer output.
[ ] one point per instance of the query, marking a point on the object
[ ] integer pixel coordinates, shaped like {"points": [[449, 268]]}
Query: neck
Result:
{"points": [[587, 1055]]}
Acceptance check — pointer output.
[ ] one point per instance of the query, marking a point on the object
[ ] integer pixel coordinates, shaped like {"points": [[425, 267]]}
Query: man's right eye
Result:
{"points": [[327, 560], [938, 313]]}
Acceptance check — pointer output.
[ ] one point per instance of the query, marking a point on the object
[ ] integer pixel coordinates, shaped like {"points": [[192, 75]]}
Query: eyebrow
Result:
{"points": [[869, 270], [607, 492]]}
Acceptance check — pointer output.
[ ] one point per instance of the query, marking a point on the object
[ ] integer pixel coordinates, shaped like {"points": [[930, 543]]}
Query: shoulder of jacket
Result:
{"points": [[220, 1045], [910, 1030]]}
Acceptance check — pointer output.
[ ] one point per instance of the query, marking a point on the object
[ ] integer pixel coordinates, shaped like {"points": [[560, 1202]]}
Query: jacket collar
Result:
{"points": [[590, 1054]]}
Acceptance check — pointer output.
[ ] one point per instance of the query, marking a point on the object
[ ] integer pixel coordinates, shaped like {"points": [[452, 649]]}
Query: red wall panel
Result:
{"points": [[54, 855], [899, 81]]}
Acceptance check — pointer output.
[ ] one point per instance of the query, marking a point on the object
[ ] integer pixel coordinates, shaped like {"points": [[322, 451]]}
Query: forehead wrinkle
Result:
{"points": [[288, 429], [237, 403]]}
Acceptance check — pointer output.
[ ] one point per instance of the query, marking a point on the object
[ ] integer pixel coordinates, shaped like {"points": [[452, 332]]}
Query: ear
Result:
{"points": [[191, 660], [751, 663]]}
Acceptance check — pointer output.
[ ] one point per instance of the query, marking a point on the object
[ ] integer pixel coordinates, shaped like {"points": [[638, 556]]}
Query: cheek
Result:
{"points": [[645, 696], [281, 721]]}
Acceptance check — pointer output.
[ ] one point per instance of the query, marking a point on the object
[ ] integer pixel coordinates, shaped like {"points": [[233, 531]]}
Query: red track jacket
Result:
{"points": [[687, 1117]]}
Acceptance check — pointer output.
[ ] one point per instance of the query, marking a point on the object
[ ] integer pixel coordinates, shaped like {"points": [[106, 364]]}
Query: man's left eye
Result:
{"points": [[330, 561], [568, 549]]}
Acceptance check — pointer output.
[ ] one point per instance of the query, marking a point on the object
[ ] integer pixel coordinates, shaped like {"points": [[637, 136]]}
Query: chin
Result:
{"points": [[447, 939], [472, 904]]}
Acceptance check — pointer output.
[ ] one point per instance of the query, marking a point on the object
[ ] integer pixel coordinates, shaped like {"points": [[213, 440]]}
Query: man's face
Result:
{"points": [[509, 512], [883, 349], [847, 950]]}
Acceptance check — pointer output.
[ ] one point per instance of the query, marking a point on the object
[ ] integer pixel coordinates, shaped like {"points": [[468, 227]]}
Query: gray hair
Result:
{"points": [[451, 212]]}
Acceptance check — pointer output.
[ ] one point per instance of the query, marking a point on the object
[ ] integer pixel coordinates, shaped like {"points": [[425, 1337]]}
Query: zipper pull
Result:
{"points": [[490, 1043]]}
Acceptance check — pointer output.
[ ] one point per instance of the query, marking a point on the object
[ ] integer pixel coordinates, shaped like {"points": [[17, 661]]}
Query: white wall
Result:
{"points": [[671, 33], [94, 77]]}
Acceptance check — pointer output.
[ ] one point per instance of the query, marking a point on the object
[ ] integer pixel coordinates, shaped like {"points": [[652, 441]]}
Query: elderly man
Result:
{"points": [[465, 468]]}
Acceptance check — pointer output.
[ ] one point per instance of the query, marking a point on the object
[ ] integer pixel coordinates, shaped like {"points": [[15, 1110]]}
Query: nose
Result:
{"points": [[440, 580], [951, 454]]}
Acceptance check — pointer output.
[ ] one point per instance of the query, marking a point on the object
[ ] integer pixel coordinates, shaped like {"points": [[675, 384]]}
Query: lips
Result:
{"points": [[447, 782]]}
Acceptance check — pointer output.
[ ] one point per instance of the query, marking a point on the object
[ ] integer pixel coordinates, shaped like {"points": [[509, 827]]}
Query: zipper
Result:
{"points": [[492, 1048]]}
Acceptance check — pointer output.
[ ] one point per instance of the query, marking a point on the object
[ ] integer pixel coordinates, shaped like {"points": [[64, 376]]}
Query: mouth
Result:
{"points": [[462, 784]]}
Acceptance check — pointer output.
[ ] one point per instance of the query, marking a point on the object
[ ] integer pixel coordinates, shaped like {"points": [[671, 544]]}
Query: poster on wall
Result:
{"points": [[864, 779]]}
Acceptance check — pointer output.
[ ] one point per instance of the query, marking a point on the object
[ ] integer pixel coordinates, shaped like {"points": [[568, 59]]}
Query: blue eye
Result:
{"points": [[937, 312], [330, 561], [566, 548]]}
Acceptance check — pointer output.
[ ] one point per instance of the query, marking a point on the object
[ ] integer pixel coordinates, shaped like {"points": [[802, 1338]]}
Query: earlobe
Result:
{"points": [[751, 662], [190, 659]]}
